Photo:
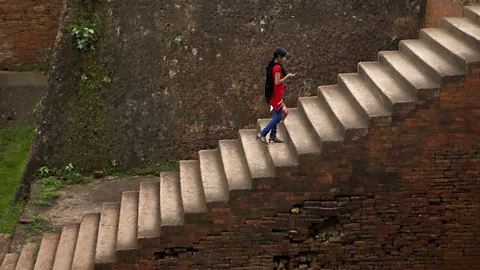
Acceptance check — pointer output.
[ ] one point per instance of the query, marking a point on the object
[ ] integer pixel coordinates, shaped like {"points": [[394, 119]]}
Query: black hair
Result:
{"points": [[269, 82], [279, 52]]}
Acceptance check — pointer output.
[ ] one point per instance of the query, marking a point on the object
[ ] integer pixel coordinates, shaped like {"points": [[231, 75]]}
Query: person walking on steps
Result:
{"points": [[274, 90]]}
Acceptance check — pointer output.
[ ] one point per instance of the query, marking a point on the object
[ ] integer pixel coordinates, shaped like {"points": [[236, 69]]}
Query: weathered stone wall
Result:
{"points": [[27, 31], [187, 74], [406, 196], [29, 28]]}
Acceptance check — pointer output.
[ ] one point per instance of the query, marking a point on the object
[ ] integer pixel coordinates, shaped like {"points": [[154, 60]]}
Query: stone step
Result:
{"points": [[46, 254], [66, 247], [5, 242], [472, 13], [406, 70], [171, 207], [283, 154], [193, 196], [390, 90], [9, 262], [149, 213], [84, 257], [214, 180], [346, 110], [451, 47], [126, 245], [235, 165], [107, 236], [27, 257], [301, 133], [259, 161], [371, 104], [430, 61], [464, 29], [321, 118]]}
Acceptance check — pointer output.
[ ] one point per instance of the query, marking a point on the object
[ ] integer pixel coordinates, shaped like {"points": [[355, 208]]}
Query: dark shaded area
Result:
{"points": [[174, 252]]}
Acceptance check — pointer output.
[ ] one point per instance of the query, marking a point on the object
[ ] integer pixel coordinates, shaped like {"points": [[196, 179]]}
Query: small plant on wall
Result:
{"points": [[395, 40], [84, 34], [84, 30], [179, 40]]}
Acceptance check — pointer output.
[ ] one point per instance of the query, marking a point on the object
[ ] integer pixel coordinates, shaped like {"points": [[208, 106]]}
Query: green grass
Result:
{"points": [[38, 225], [54, 179], [48, 191], [14, 147]]}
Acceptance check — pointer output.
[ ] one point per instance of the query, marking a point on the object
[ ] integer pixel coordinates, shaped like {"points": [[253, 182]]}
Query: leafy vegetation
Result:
{"points": [[179, 40], [395, 40], [55, 179], [85, 29], [84, 33], [38, 225]]}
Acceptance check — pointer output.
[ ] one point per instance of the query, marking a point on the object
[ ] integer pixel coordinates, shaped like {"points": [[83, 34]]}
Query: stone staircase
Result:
{"points": [[377, 93]]}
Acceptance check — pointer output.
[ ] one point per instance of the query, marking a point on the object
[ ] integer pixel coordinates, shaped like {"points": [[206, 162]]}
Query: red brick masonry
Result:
{"points": [[437, 9], [27, 31], [406, 196]]}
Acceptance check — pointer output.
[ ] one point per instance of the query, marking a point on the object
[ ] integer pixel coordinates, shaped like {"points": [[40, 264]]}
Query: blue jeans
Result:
{"points": [[272, 125]]}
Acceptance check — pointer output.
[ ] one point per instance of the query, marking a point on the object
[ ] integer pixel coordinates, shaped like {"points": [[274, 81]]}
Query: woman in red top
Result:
{"points": [[274, 89]]}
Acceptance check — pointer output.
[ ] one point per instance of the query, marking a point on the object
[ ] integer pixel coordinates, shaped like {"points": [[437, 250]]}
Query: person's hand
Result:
{"points": [[289, 75]]}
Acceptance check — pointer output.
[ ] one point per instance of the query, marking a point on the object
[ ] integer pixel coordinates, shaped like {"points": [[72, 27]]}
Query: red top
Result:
{"points": [[278, 90]]}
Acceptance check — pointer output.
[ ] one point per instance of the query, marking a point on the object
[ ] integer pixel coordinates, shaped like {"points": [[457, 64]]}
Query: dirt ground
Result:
{"points": [[73, 202]]}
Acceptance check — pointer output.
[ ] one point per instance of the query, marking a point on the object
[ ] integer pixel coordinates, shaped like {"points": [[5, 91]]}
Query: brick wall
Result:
{"points": [[437, 9], [27, 31], [406, 196]]}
